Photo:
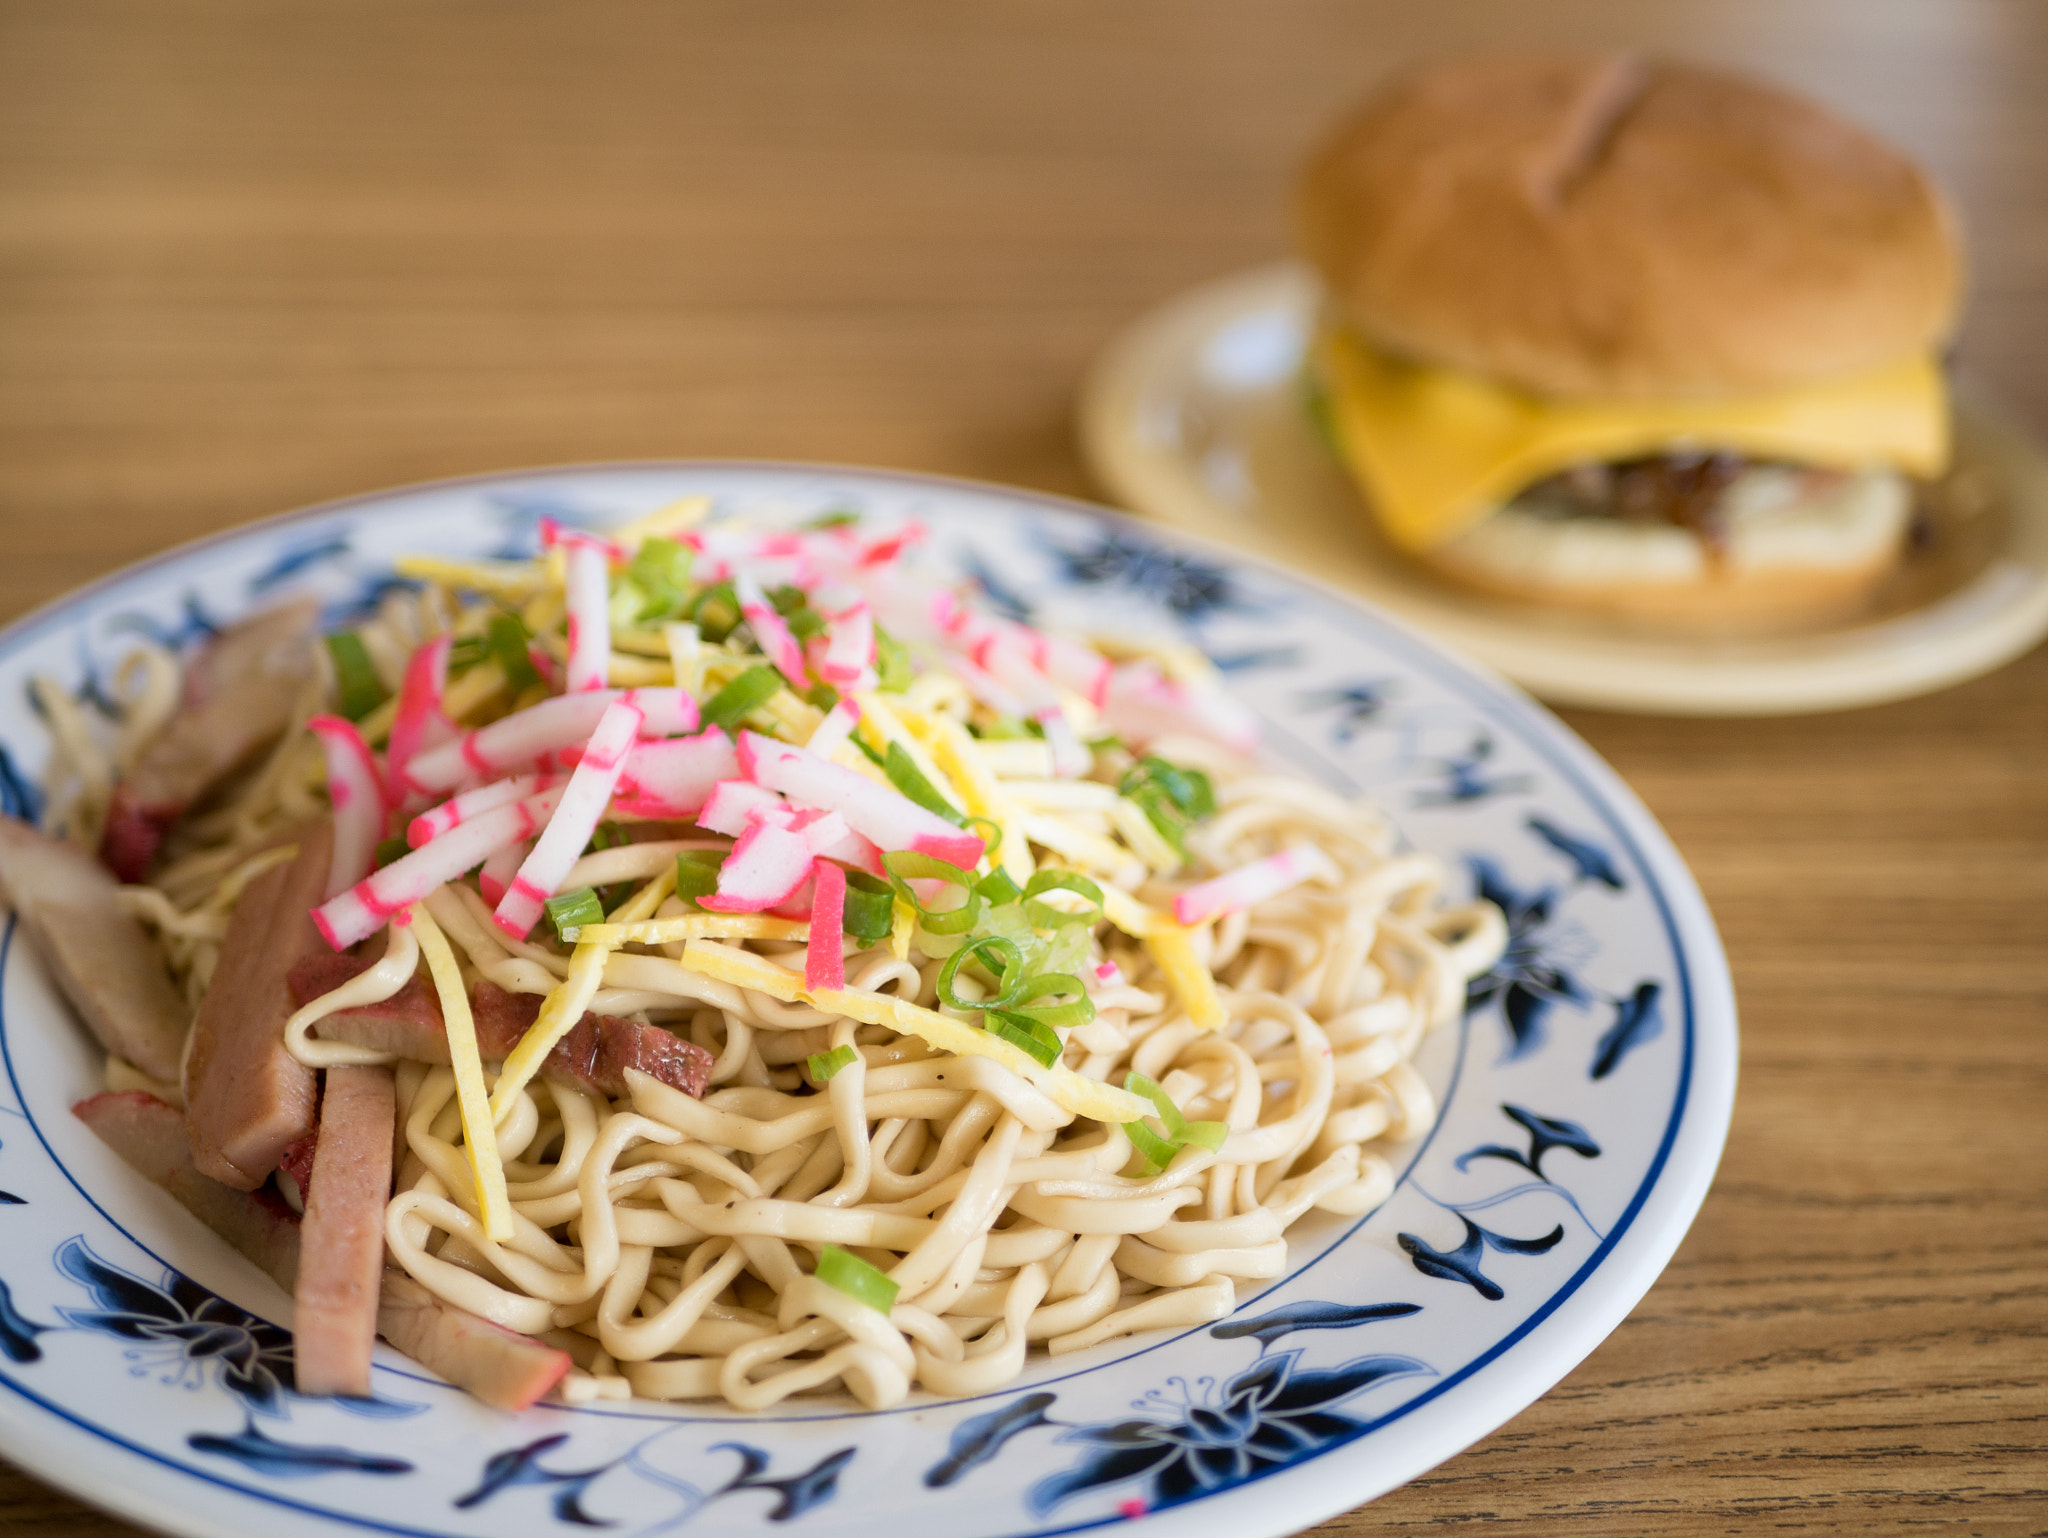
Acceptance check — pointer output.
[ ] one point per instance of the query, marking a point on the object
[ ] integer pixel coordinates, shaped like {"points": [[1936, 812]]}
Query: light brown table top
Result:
{"points": [[255, 255]]}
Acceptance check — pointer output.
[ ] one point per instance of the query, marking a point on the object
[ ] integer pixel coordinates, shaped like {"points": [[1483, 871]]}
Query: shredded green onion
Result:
{"points": [[572, 910], [506, 639], [838, 518], [716, 611], [905, 866], [742, 697], [1172, 798], [998, 889], [661, 571], [1062, 1016], [1045, 915], [389, 849], [892, 663], [856, 1278], [696, 875], [869, 912], [904, 774], [825, 1064], [358, 690], [1009, 974], [1033, 1037], [1157, 1151]]}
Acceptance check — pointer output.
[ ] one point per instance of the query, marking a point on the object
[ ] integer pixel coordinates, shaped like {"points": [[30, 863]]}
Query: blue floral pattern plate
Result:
{"points": [[1586, 1091]]}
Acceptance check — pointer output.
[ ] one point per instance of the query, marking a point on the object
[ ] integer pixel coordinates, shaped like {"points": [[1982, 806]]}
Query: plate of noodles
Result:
{"points": [[667, 996]]}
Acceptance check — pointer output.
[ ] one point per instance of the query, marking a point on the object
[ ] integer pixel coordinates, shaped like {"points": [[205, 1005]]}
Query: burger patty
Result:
{"points": [[1688, 490]]}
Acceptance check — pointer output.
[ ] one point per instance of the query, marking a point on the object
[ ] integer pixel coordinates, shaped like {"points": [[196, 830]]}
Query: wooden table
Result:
{"points": [[260, 254]]}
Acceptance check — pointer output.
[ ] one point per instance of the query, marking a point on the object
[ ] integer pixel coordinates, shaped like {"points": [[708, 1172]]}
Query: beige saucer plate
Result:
{"points": [[1196, 416]]}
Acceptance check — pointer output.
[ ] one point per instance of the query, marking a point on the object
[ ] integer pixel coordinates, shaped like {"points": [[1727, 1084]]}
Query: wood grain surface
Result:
{"points": [[255, 255]]}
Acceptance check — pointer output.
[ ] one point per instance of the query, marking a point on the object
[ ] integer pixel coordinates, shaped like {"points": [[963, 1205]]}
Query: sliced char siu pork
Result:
{"points": [[241, 692], [247, 1099], [503, 1369], [103, 961]]}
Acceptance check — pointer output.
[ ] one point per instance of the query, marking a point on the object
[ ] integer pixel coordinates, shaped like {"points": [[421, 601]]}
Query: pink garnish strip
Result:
{"points": [[882, 816], [363, 909], [1253, 883], [673, 778], [497, 872], [771, 630], [418, 722], [835, 729], [824, 954], [849, 647], [435, 821], [772, 860], [1144, 703], [590, 620], [357, 791], [553, 725], [553, 534], [582, 807]]}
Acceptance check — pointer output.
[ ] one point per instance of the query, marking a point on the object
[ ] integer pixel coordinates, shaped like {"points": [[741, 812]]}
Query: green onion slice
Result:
{"points": [[997, 888], [1171, 797], [869, 913], [1045, 915], [742, 697], [358, 689], [572, 910], [1205, 1134], [1008, 973], [696, 875], [661, 570], [716, 611], [506, 638], [1169, 1113], [856, 1278], [906, 865], [1061, 1016], [904, 774], [389, 849], [1028, 1035], [892, 663], [1156, 1151], [825, 1064]]}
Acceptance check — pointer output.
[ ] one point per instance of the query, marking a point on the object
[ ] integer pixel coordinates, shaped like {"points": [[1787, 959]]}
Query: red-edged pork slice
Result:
{"points": [[247, 1099], [341, 1242], [150, 1138], [240, 692], [504, 1370], [595, 1054], [103, 960]]}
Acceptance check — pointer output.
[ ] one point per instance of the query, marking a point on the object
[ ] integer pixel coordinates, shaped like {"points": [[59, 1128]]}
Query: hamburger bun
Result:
{"points": [[1619, 227]]}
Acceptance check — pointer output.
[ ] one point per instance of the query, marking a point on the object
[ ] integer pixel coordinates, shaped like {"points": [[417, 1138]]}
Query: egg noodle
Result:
{"points": [[1069, 1072]]}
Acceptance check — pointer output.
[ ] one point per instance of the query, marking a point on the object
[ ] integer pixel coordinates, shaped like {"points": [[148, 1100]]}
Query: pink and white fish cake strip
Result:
{"points": [[1254, 883], [418, 722], [364, 908], [771, 630], [520, 740], [357, 791], [1144, 704], [849, 657], [436, 820], [495, 875], [588, 594], [878, 814], [834, 730], [674, 778], [824, 954], [773, 858], [582, 807]]}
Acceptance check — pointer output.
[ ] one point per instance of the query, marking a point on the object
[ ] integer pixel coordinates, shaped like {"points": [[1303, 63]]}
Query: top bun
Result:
{"points": [[1616, 226]]}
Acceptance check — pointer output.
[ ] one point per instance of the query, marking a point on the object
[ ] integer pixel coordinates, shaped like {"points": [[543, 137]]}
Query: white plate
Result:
{"points": [[1586, 1095], [1196, 416]]}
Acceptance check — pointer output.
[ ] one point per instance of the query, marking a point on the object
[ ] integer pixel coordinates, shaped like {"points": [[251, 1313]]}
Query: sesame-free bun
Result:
{"points": [[1795, 547], [1613, 226]]}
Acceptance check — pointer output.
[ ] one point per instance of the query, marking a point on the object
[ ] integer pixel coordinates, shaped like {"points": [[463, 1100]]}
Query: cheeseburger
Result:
{"points": [[1631, 336]]}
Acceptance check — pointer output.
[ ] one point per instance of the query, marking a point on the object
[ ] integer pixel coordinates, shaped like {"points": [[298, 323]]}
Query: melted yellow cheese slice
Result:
{"points": [[1438, 449]]}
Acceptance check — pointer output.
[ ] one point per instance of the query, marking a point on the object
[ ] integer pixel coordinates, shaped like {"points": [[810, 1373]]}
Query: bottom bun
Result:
{"points": [[1797, 545]]}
